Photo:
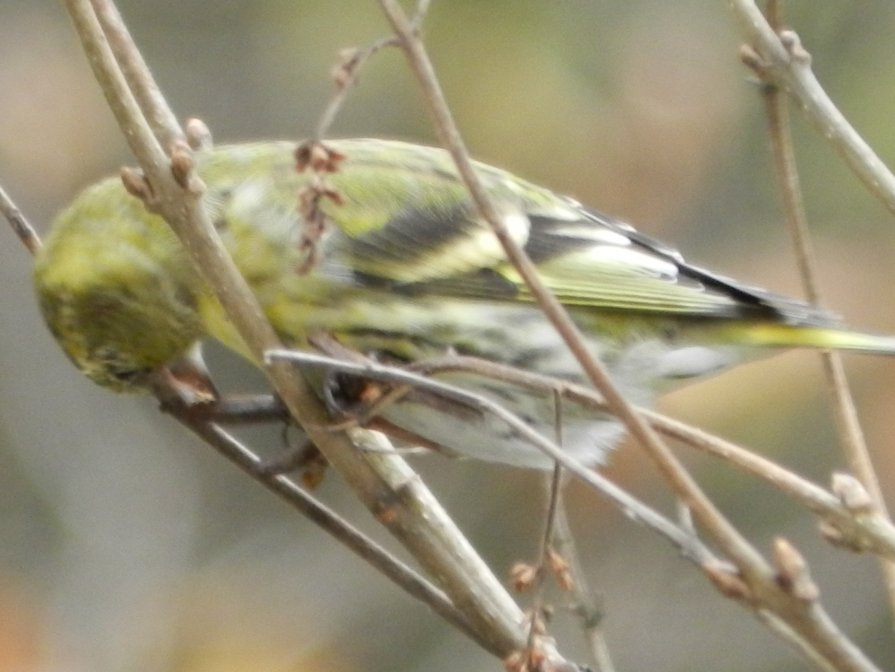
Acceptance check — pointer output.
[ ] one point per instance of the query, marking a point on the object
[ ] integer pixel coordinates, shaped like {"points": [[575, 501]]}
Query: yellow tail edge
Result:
{"points": [[825, 338]]}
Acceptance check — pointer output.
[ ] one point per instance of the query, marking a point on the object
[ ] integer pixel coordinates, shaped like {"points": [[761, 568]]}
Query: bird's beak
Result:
{"points": [[186, 378]]}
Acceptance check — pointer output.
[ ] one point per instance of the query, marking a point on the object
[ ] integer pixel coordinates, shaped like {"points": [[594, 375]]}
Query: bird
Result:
{"points": [[404, 270]]}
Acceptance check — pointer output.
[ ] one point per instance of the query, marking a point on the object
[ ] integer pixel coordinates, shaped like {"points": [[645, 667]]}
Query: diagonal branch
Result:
{"points": [[780, 59], [851, 434], [688, 544], [329, 521], [19, 223]]}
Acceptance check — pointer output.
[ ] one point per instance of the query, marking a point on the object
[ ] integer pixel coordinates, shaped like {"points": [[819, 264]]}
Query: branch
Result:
{"points": [[846, 519], [139, 79], [319, 514], [19, 223], [345, 74], [781, 60], [690, 546], [251, 410], [851, 435]]}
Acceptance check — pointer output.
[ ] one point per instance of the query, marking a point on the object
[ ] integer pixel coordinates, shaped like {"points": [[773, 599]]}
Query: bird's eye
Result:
{"points": [[110, 364], [130, 376]]}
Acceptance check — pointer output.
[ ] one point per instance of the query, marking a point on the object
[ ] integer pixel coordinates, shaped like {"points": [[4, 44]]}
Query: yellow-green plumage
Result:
{"points": [[406, 270]]}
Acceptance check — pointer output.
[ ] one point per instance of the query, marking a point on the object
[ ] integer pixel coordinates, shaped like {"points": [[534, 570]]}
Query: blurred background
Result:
{"points": [[127, 545]]}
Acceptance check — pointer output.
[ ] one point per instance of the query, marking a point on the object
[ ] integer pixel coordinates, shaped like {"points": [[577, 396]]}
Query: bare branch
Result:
{"points": [[146, 92], [859, 530], [807, 620], [585, 604], [851, 435], [781, 59], [324, 517], [689, 545], [19, 223], [345, 74]]}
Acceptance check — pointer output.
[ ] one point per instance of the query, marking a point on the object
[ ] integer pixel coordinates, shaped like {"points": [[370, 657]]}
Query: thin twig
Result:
{"points": [[690, 546], [863, 530], [325, 518], [806, 619], [345, 74], [849, 526], [808, 625], [536, 615], [845, 413], [585, 603], [19, 223], [147, 93], [781, 59], [866, 531]]}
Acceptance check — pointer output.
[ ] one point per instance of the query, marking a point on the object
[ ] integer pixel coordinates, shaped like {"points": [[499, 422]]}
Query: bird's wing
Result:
{"points": [[414, 230], [405, 222], [603, 262]]}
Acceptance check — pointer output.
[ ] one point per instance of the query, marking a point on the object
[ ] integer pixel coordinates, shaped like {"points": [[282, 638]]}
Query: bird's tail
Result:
{"points": [[825, 338]]}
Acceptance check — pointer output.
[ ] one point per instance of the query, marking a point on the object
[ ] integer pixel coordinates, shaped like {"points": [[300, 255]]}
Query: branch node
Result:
{"points": [[532, 659], [852, 494], [344, 72], [792, 572], [198, 135], [522, 576], [752, 59], [183, 168], [137, 185], [793, 45], [843, 538], [730, 584], [561, 569]]}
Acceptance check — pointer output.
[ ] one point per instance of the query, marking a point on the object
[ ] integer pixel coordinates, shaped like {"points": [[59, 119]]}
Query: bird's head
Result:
{"points": [[116, 290]]}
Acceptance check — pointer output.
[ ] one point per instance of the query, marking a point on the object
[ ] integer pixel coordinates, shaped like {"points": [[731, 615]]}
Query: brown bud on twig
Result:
{"points": [[183, 168], [726, 581], [345, 70], [793, 45], [515, 662], [181, 163], [136, 184], [318, 156], [751, 59], [561, 569], [792, 572], [536, 658], [522, 576], [198, 135], [849, 539], [852, 493]]}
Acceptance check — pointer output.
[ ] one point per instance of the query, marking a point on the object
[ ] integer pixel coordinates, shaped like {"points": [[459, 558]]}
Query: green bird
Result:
{"points": [[406, 270]]}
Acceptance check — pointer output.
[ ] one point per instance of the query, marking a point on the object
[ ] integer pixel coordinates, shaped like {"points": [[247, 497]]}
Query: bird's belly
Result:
{"points": [[474, 430], [408, 330]]}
